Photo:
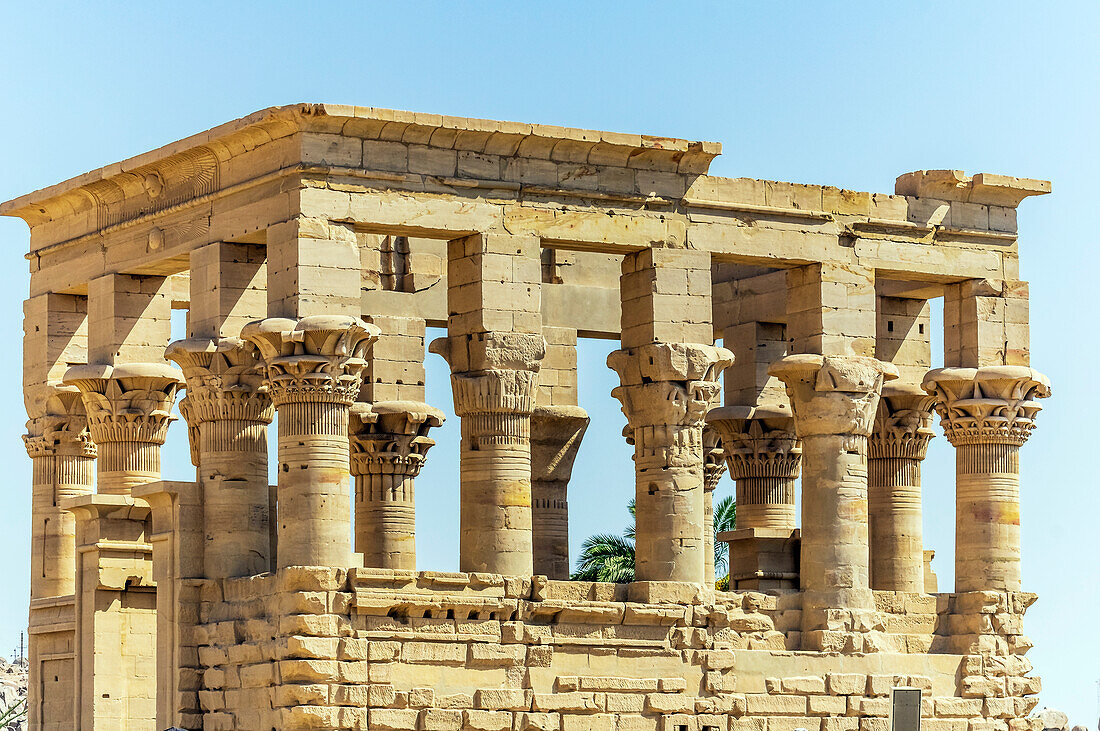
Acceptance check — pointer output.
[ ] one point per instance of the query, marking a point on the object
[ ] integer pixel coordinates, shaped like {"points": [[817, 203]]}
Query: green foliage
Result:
{"points": [[610, 558], [15, 712]]}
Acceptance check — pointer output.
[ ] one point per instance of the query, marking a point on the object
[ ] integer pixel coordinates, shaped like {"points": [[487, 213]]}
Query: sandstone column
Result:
{"points": [[389, 443], [493, 378], [834, 399], [556, 433], [764, 458], [495, 348], [63, 466], [898, 445], [987, 414], [667, 388], [129, 409], [313, 370], [228, 410], [668, 370]]}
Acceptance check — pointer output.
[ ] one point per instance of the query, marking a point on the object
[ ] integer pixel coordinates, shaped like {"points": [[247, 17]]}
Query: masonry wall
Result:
{"points": [[329, 649]]}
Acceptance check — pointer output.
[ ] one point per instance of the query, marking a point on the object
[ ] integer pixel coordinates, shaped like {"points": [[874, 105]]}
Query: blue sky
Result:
{"points": [[849, 94]]}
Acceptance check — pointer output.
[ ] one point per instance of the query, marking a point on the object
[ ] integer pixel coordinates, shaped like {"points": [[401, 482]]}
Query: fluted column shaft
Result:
{"points": [[834, 399], [389, 444], [898, 445], [987, 414], [556, 433], [665, 392], [313, 370], [227, 411]]}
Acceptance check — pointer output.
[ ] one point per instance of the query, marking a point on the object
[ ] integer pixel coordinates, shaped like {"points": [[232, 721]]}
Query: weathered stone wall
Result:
{"points": [[328, 649]]}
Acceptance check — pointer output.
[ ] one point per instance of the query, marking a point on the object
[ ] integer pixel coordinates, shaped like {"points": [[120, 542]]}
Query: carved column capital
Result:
{"points": [[669, 384], [903, 423], [556, 433], [224, 380], [990, 405], [391, 437], [319, 358], [62, 429], [127, 403], [758, 441], [714, 458], [832, 394], [492, 372]]}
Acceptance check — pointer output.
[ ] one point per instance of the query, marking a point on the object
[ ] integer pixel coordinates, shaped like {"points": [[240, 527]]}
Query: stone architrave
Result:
{"points": [[313, 370], [897, 446], [714, 466], [389, 444], [834, 399], [62, 466], [764, 458], [556, 433], [665, 392], [227, 410], [494, 379], [129, 409], [987, 414]]}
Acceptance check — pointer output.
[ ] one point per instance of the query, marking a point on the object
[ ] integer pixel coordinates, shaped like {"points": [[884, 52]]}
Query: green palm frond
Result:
{"points": [[631, 528], [725, 519], [605, 557]]}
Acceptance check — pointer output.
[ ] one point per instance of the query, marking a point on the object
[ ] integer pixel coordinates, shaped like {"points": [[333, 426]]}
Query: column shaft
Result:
{"points": [[834, 520], [56, 477], [894, 508], [987, 524], [385, 521], [314, 499]]}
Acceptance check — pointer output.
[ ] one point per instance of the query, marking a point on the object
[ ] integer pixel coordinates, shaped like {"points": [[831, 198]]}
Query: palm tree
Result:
{"points": [[610, 558]]}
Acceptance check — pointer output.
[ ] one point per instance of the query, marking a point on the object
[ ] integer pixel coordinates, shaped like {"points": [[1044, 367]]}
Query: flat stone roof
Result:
{"points": [[563, 144]]}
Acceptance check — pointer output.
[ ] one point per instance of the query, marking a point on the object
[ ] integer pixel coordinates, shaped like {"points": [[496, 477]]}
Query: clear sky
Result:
{"points": [[849, 94]]}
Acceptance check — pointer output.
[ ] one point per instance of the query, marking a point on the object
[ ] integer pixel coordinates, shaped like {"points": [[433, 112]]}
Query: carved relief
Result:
{"points": [[714, 459], [318, 358], [127, 403], [63, 429], [391, 437], [833, 394], [996, 404], [758, 441], [903, 423]]}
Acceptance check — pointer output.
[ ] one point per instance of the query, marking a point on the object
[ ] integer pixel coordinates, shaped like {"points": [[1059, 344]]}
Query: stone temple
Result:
{"points": [[311, 245]]}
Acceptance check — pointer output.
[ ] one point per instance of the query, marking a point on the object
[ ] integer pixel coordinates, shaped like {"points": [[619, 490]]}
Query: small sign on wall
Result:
{"points": [[905, 711]]}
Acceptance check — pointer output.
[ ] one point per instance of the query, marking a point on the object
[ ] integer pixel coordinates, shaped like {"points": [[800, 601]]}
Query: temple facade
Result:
{"points": [[772, 332]]}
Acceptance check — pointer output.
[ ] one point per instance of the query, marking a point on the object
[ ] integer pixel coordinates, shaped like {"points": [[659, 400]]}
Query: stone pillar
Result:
{"points": [[63, 462], [313, 370], [389, 443], [764, 458], [176, 537], [834, 399], [556, 433], [116, 615], [898, 444], [129, 409], [665, 392], [227, 411], [714, 466], [494, 376], [987, 414], [495, 348]]}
